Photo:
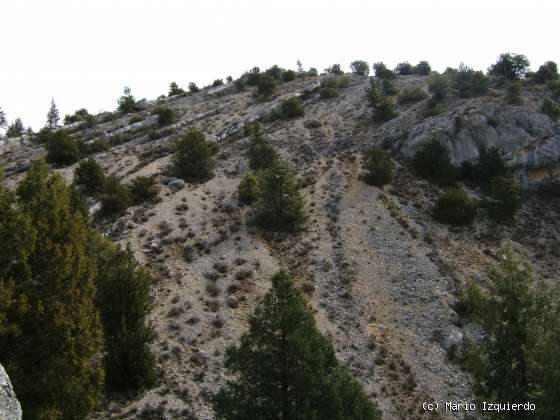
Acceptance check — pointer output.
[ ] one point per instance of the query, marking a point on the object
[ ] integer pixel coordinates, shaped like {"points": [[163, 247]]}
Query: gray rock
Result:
{"points": [[10, 408], [176, 184]]}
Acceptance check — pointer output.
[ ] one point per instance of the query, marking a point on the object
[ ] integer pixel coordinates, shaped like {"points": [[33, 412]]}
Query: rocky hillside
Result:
{"points": [[380, 273]]}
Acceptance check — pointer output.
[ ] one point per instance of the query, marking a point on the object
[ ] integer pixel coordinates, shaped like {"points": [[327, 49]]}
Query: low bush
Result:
{"points": [[554, 88], [432, 162], [266, 86], [218, 82], [467, 82], [455, 207], [382, 72], [422, 68], [62, 149], [379, 167], [89, 176], [312, 124], [292, 108], [193, 88], [334, 69], [288, 76], [551, 109], [433, 108], [488, 165], [166, 116], [115, 198], [383, 107], [438, 86], [360, 67], [546, 73], [193, 158], [503, 198], [143, 188], [135, 118], [410, 95], [261, 154], [247, 191], [404, 69]]}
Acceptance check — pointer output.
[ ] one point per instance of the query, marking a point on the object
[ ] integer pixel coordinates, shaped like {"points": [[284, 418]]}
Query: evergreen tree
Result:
{"points": [[174, 89], [383, 107], [115, 198], [510, 66], [123, 296], [432, 162], [266, 86], [193, 159], [193, 88], [379, 167], [15, 129], [62, 149], [261, 154], [89, 176], [3, 120], [50, 332], [280, 205], [53, 116], [127, 103], [247, 191], [285, 369]]}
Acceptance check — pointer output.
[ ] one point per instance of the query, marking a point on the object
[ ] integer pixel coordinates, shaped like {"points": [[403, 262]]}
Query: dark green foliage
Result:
{"points": [[489, 164], [126, 103], [383, 107], [53, 116], [193, 158], [135, 118], [288, 75], [438, 85], [247, 190], [50, 333], [329, 86], [328, 92], [334, 69], [89, 176], [551, 109], [467, 82], [312, 72], [253, 76], [96, 146], [15, 129], [433, 108], [217, 82], [404, 69], [143, 188], [513, 92], [410, 95], [3, 120], [432, 162], [266, 86], [261, 154], [510, 66], [275, 72], [455, 207], [379, 167], [193, 88], [292, 108], [251, 128], [123, 296], [503, 198], [174, 89], [554, 88], [165, 115], [422, 68], [229, 79], [382, 72], [285, 368], [280, 205], [81, 115], [360, 67], [388, 87], [62, 149], [546, 73], [115, 198]]}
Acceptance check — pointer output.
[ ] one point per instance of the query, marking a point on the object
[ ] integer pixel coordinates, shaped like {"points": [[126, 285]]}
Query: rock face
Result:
{"points": [[9, 405]]}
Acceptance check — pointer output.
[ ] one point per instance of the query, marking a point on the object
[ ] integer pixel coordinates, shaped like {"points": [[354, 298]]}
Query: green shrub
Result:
{"points": [[96, 146], [383, 107], [551, 109], [135, 118], [343, 81], [334, 69], [174, 89], [127, 103], [80, 115], [261, 154], [438, 86], [251, 128], [328, 92], [280, 205], [412, 94], [379, 167], [275, 72], [455, 207], [193, 88], [488, 165], [15, 129], [89, 176], [433, 108], [422, 68], [253, 76], [312, 124], [513, 92], [62, 149], [503, 198], [193, 158], [554, 88], [404, 69], [360, 67], [247, 191], [217, 82], [388, 87], [115, 198], [312, 72], [546, 73], [382, 72], [432, 162], [468, 83], [288, 75], [292, 108], [510, 66], [165, 115], [266, 86], [143, 188]]}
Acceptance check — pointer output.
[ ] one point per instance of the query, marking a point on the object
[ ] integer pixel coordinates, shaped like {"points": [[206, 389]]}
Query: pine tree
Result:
{"points": [[285, 369], [124, 301], [53, 116], [280, 204], [53, 335], [127, 103], [193, 159], [15, 129], [3, 120], [174, 89]]}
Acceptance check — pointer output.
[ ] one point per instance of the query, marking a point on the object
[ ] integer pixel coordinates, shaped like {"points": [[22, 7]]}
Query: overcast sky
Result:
{"points": [[84, 52]]}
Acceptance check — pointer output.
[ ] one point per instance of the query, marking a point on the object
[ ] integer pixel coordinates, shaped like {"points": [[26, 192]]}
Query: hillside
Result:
{"points": [[382, 276]]}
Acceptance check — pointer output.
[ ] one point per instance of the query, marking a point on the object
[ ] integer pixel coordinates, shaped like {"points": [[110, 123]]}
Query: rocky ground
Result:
{"points": [[381, 275]]}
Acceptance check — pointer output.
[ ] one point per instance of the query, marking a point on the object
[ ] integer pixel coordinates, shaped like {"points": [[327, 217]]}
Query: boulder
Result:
{"points": [[10, 408]]}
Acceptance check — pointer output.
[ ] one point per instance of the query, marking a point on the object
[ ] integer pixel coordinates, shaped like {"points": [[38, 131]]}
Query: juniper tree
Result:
{"points": [[285, 369], [261, 154], [383, 107], [280, 204], [193, 158], [89, 176], [379, 167], [53, 116], [50, 332]]}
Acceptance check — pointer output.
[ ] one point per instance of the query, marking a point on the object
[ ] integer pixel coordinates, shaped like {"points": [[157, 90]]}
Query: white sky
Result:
{"points": [[83, 52]]}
